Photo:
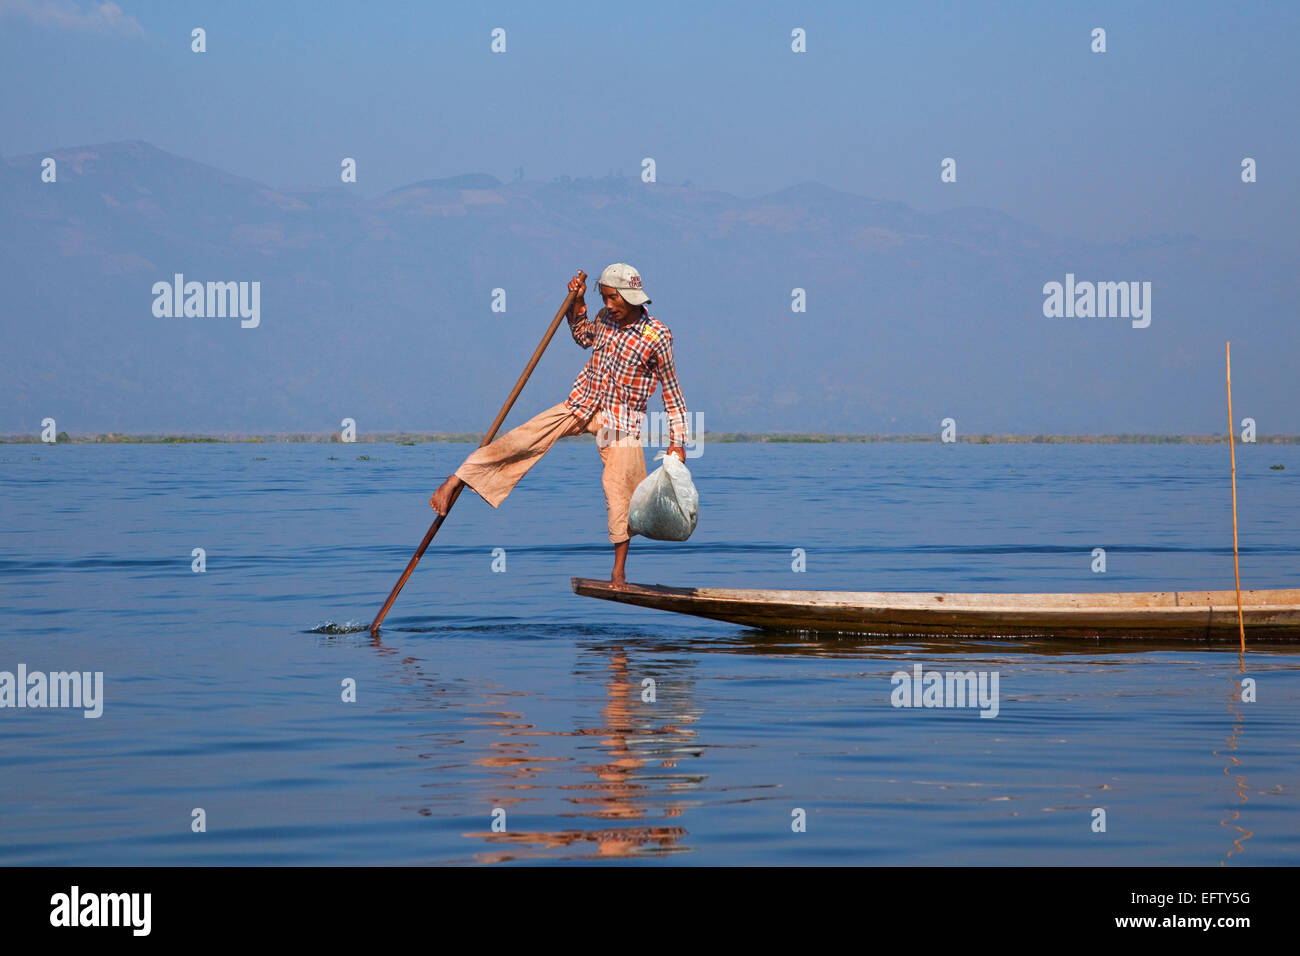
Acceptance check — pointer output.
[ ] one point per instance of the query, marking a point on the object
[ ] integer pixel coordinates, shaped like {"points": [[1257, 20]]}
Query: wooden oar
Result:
{"points": [[501, 416]]}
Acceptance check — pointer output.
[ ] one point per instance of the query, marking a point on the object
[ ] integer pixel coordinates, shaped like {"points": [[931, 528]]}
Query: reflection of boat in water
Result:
{"points": [[1182, 615]]}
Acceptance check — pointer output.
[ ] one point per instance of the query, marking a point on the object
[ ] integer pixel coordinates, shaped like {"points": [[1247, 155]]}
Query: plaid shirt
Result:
{"points": [[620, 376]]}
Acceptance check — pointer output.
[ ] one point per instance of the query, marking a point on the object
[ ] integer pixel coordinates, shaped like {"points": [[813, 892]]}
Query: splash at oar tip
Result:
{"points": [[332, 628]]}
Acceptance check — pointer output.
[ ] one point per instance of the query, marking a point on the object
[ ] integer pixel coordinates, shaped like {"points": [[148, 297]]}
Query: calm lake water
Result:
{"points": [[502, 696]]}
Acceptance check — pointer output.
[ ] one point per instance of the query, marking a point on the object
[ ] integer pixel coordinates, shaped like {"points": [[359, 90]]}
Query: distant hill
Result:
{"points": [[379, 309]]}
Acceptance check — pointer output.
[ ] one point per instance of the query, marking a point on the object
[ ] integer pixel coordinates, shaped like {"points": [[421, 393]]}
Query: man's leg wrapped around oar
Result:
{"points": [[493, 470]]}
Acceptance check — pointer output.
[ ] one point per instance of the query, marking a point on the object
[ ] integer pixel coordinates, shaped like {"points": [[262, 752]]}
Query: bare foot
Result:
{"points": [[441, 500], [616, 578]]}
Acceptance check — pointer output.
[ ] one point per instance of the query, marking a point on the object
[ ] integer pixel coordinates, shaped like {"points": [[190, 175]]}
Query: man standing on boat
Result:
{"points": [[631, 352]]}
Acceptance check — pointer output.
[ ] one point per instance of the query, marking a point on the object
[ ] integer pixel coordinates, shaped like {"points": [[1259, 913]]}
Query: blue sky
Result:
{"points": [[1146, 138]]}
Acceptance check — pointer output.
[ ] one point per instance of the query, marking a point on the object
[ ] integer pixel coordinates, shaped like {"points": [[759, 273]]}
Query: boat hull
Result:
{"points": [[1190, 615]]}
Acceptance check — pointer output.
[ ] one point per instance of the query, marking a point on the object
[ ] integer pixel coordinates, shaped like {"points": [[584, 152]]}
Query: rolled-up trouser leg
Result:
{"points": [[624, 461], [493, 470]]}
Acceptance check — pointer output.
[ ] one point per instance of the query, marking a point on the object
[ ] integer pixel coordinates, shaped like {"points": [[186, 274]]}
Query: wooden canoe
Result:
{"points": [[1197, 615]]}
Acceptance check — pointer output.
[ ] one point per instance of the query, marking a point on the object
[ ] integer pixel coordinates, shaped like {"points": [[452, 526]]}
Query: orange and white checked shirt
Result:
{"points": [[621, 374]]}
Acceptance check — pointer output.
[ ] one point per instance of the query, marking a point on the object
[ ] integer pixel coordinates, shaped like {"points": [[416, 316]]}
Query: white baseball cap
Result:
{"points": [[626, 280]]}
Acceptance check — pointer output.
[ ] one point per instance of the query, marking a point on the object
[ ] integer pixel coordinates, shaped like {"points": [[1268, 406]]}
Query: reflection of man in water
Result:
{"points": [[618, 795]]}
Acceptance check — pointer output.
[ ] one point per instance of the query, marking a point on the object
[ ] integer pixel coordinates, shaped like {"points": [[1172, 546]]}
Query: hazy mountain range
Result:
{"points": [[379, 309]]}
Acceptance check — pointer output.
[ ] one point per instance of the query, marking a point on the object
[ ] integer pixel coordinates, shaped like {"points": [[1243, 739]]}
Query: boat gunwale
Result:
{"points": [[929, 601], [938, 613]]}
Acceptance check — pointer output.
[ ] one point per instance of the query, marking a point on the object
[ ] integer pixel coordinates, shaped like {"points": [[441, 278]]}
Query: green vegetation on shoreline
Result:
{"points": [[413, 438]]}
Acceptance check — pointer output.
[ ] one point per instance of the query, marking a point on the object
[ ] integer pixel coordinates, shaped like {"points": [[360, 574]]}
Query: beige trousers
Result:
{"points": [[493, 470]]}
